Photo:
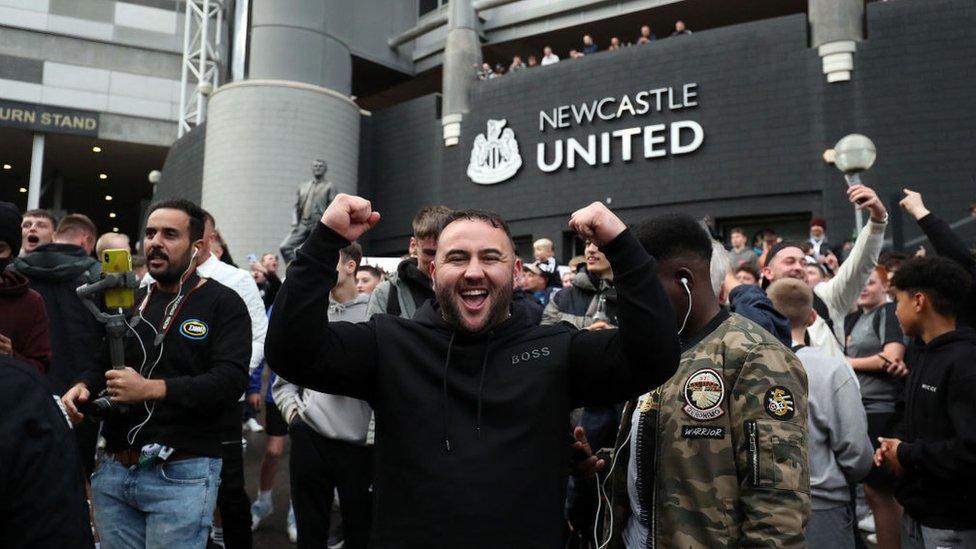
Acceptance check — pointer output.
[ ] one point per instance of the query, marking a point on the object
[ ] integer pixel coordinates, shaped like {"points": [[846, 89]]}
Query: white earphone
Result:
{"points": [[684, 282]]}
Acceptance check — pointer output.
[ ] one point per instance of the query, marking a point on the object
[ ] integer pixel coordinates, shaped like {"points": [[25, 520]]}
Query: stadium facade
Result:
{"points": [[730, 123]]}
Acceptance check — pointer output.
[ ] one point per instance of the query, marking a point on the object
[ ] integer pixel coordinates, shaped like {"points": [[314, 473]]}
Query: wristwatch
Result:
{"points": [[882, 220]]}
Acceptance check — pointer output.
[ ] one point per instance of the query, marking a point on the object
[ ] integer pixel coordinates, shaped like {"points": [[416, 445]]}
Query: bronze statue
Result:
{"points": [[314, 197]]}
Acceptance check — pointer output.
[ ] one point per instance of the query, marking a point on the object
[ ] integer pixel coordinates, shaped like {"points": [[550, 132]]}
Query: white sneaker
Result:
{"points": [[253, 426], [217, 536], [292, 528], [259, 512], [867, 524], [872, 539]]}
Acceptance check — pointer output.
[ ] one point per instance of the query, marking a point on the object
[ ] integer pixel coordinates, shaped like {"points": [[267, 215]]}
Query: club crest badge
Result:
{"points": [[194, 329], [495, 155], [704, 391], [778, 403]]}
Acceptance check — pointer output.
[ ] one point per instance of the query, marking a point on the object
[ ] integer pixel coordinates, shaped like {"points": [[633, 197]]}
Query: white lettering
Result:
{"points": [[605, 148], [557, 160], [657, 97], [696, 141], [650, 139], [626, 136], [603, 102], [574, 149], [585, 112], [689, 92], [671, 104], [642, 105], [563, 116], [544, 119], [625, 105]]}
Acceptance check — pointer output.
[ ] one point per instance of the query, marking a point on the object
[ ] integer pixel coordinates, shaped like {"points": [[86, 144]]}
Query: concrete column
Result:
{"points": [[262, 136], [462, 57], [36, 172], [835, 28], [294, 40]]}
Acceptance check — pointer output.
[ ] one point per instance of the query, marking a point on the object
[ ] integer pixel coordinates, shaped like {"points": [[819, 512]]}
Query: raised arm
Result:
{"points": [[610, 366], [945, 241], [840, 293], [302, 346]]}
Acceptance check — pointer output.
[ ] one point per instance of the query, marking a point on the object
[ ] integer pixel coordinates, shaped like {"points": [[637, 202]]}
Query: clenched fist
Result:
{"points": [[350, 216], [912, 203], [597, 224]]}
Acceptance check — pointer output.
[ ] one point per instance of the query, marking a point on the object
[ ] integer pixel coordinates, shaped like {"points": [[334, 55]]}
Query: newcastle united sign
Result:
{"points": [[495, 155]]}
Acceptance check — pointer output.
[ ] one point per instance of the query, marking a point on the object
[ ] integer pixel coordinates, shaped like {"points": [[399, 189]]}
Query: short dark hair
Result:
{"points": [[430, 221], [77, 222], [375, 271], [46, 214], [672, 235], [891, 260], [196, 214], [739, 230], [943, 281], [749, 268], [353, 252], [491, 218]]}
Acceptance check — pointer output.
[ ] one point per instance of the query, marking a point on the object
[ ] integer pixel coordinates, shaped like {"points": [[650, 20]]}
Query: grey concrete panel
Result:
{"points": [[118, 127], [299, 55], [182, 173], [261, 140], [176, 5], [93, 10], [149, 39], [21, 68], [832, 20], [87, 53]]}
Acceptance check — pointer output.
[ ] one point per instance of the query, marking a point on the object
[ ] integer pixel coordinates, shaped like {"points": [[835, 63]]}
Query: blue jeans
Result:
{"points": [[832, 528], [162, 505]]}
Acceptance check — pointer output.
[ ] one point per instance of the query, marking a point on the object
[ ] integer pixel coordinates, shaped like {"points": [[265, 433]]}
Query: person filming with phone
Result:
{"points": [[186, 357]]}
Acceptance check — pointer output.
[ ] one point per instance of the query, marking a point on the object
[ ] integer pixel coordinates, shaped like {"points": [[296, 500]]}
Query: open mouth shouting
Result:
{"points": [[474, 299], [156, 259]]}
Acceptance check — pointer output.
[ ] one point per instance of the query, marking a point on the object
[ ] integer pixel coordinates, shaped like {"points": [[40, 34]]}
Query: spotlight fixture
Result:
{"points": [[23, 189], [108, 197], [96, 149], [7, 166], [115, 229], [111, 214], [103, 176]]}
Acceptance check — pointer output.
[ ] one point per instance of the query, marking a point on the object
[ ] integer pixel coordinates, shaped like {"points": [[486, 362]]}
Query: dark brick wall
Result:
{"points": [[183, 169], [767, 112]]}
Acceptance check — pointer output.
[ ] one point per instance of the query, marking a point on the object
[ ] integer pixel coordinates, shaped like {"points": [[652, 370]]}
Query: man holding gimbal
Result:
{"points": [[186, 358]]}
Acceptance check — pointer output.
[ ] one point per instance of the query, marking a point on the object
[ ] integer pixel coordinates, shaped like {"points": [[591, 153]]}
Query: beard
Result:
{"points": [[174, 269], [500, 298]]}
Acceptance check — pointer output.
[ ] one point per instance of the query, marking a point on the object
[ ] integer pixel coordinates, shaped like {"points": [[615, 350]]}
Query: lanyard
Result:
{"points": [[171, 311]]}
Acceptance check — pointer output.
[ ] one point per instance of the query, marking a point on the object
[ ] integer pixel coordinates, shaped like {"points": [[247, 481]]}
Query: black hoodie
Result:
{"points": [[55, 271], [471, 446], [938, 452]]}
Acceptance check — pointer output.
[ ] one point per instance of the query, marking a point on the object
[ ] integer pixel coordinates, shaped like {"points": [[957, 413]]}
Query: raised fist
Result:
{"points": [[350, 216], [597, 224]]}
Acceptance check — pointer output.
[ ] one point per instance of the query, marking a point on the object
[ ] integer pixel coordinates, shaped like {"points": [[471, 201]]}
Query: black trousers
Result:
{"points": [[319, 466], [232, 501]]}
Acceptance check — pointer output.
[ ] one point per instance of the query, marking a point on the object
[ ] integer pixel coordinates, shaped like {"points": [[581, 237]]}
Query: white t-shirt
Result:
{"points": [[550, 59]]}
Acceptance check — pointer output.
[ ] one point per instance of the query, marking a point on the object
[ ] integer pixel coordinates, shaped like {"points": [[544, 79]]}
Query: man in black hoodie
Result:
{"points": [[471, 400], [55, 271], [936, 458]]}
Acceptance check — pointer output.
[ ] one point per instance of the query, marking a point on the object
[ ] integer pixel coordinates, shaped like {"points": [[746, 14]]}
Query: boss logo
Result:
{"points": [[530, 355]]}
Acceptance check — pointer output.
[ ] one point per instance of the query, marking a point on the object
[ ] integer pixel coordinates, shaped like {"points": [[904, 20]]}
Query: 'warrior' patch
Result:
{"points": [[704, 392], [694, 431], [778, 403], [193, 329]]}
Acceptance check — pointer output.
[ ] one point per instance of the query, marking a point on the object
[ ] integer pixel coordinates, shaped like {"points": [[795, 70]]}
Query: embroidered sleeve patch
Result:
{"points": [[703, 392], [778, 403], [694, 432]]}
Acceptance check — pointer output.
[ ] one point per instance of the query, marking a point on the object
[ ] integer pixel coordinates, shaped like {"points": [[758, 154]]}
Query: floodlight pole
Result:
{"points": [[201, 60]]}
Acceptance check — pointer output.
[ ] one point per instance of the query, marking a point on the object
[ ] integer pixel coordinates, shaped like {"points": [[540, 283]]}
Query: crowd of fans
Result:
{"points": [[587, 47], [843, 374]]}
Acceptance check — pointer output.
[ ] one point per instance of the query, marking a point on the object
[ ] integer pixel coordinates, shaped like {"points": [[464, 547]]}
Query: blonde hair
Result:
{"points": [[793, 299]]}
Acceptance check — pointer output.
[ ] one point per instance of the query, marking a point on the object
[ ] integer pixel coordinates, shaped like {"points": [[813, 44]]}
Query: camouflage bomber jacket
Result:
{"points": [[731, 467]]}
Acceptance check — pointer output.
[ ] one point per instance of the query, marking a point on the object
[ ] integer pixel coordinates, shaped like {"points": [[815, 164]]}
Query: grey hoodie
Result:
{"points": [[332, 416], [839, 448]]}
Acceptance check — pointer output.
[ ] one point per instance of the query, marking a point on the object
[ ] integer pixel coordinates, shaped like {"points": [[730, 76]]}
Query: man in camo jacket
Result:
{"points": [[717, 456]]}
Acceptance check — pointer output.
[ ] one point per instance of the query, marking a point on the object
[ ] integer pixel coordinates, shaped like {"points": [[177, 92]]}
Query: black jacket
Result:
{"points": [[205, 356], [471, 447], [42, 494], [948, 244], [55, 271], [938, 451]]}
